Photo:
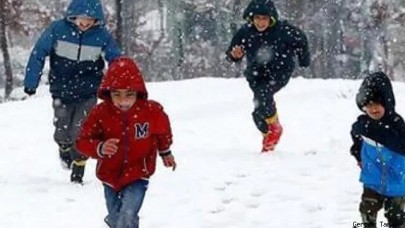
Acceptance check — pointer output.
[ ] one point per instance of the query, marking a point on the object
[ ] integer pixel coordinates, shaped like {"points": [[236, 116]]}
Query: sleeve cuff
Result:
{"points": [[99, 150], [232, 59], [165, 153]]}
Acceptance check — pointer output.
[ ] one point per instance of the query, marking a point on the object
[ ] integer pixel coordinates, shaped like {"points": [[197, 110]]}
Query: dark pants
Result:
{"points": [[68, 119], [372, 202], [263, 98], [123, 207]]}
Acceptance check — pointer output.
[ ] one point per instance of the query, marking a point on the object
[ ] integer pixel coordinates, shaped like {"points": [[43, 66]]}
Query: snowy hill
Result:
{"points": [[222, 180]]}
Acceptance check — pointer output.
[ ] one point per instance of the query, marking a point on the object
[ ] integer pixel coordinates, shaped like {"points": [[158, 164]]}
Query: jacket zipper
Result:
{"points": [[126, 139], [79, 51], [384, 169], [145, 167], [99, 162], [125, 146]]}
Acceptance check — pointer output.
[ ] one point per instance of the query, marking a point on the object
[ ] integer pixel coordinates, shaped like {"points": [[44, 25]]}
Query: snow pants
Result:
{"points": [[68, 119], [263, 99], [372, 202]]}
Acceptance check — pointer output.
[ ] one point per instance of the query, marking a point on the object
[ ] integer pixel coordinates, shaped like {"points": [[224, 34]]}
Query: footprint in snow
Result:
{"points": [[217, 210], [228, 183], [310, 152], [70, 200], [241, 175], [252, 205], [220, 188], [228, 200], [256, 194]]}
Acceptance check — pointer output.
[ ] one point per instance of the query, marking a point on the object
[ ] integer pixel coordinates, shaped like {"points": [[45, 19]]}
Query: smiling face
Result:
{"points": [[374, 110], [261, 22], [123, 98], [85, 23]]}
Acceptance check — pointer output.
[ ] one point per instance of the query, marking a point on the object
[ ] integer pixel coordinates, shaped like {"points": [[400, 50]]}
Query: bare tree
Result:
{"points": [[155, 43], [119, 25], [180, 39], [4, 48]]}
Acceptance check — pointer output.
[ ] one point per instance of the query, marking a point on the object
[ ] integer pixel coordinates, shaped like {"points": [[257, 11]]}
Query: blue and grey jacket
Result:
{"points": [[380, 144], [76, 61]]}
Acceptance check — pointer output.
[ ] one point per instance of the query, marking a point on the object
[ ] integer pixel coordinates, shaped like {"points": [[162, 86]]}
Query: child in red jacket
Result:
{"points": [[125, 133]]}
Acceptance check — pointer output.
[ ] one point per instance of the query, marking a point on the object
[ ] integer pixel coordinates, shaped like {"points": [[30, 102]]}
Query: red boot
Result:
{"points": [[271, 138]]}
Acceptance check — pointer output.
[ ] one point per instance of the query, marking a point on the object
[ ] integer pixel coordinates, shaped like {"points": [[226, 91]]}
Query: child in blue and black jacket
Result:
{"points": [[379, 148], [270, 46], [78, 46]]}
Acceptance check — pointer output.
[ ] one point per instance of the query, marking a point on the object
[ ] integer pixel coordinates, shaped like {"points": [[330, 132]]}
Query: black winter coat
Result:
{"points": [[390, 129], [270, 53]]}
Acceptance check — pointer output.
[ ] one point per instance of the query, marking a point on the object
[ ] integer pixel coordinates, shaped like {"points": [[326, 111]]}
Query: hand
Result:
{"points": [[28, 91], [237, 52], [169, 161], [109, 147]]}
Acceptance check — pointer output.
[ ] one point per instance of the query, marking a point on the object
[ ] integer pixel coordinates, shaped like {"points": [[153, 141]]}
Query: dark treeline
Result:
{"points": [[181, 39]]}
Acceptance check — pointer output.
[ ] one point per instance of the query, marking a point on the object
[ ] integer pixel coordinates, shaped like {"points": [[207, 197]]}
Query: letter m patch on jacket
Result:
{"points": [[141, 130]]}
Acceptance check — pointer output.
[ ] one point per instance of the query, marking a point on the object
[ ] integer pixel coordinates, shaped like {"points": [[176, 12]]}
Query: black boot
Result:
{"points": [[77, 172], [65, 155], [369, 220]]}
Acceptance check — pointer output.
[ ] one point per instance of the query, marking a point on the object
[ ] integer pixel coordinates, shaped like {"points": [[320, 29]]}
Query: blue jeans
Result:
{"points": [[123, 206]]}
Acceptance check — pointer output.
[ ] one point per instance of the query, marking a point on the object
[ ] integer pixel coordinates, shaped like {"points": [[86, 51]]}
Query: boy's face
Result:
{"points": [[374, 110], [123, 98], [84, 23], [261, 22]]}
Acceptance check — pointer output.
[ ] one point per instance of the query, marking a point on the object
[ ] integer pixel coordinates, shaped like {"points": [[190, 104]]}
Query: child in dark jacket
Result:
{"points": [[125, 133], [379, 148], [269, 46], [75, 45]]}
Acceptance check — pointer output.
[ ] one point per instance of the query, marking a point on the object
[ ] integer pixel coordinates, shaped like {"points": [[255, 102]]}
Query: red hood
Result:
{"points": [[122, 73]]}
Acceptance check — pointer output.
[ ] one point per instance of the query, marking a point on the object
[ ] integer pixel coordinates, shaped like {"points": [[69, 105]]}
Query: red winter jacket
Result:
{"points": [[143, 130]]}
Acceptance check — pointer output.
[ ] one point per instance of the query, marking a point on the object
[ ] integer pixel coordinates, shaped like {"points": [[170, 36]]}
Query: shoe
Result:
{"points": [[77, 172], [65, 155], [271, 138]]}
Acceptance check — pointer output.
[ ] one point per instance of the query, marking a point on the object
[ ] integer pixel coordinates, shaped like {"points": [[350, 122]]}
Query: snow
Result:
{"points": [[222, 180]]}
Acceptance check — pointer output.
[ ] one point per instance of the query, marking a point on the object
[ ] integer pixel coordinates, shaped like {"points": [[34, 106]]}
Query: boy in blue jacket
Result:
{"points": [[270, 46], [379, 148], [75, 45]]}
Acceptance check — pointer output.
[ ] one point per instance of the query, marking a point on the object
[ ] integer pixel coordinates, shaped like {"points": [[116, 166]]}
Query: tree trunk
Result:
{"points": [[158, 41], [333, 43], [235, 16], [295, 11], [4, 49], [118, 5], [176, 31]]}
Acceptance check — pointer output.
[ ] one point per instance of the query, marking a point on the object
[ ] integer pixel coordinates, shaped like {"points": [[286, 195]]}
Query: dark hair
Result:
{"points": [[369, 96], [377, 88]]}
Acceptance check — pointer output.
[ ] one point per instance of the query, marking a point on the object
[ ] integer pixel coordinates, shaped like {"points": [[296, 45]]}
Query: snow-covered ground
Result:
{"points": [[222, 180]]}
